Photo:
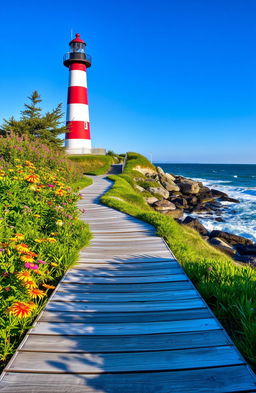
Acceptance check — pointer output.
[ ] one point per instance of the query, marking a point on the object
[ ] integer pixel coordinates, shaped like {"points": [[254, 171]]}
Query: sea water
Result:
{"points": [[238, 181]]}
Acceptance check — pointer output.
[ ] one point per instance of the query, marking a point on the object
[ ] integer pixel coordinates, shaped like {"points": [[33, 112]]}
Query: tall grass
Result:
{"points": [[93, 164], [228, 288]]}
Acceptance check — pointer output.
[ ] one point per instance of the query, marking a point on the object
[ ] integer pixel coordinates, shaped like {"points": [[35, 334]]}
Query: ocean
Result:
{"points": [[238, 181]]}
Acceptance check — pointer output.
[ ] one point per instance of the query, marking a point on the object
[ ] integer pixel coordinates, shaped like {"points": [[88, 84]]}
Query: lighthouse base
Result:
{"points": [[78, 146]]}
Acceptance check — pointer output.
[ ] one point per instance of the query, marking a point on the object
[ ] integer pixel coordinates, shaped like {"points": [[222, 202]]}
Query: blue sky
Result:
{"points": [[175, 78]]}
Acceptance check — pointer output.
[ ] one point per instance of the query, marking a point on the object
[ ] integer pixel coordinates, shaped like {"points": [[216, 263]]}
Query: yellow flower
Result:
{"points": [[22, 248], [39, 240], [37, 215], [32, 178], [18, 237], [48, 286], [30, 284], [54, 264], [51, 240], [24, 276], [34, 293], [60, 192], [59, 223], [21, 309]]}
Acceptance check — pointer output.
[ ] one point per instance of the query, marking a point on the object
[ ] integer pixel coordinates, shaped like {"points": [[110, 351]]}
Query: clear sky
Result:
{"points": [[175, 78]]}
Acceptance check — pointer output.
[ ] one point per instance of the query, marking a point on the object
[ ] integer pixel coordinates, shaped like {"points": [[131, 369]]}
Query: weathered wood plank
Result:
{"points": [[124, 362], [133, 343], [228, 379], [125, 328], [125, 280], [125, 297], [127, 273]]}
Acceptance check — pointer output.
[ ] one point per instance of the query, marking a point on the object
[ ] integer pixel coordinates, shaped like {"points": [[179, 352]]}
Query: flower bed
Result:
{"points": [[40, 231]]}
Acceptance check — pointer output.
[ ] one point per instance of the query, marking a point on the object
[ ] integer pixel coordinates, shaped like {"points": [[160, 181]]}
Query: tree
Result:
{"points": [[32, 123]]}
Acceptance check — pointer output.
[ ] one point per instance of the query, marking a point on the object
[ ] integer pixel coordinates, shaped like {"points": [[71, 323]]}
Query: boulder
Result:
{"points": [[176, 214], [230, 238], [164, 205], [169, 185], [180, 202], [169, 176], [251, 259], [218, 194], [151, 200], [139, 188], [159, 191], [223, 246], [160, 171], [189, 187], [246, 249], [195, 224], [228, 199]]}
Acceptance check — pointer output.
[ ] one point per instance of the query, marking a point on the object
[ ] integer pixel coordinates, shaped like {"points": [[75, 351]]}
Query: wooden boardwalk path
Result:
{"points": [[126, 319]]}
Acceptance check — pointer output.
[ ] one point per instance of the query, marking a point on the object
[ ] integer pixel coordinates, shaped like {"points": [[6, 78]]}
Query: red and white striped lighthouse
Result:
{"points": [[78, 139]]}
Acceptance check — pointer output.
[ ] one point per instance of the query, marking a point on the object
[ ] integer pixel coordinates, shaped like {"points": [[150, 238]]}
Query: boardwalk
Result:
{"points": [[126, 319]]}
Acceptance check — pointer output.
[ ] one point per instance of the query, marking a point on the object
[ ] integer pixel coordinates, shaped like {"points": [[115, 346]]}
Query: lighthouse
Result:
{"points": [[78, 139]]}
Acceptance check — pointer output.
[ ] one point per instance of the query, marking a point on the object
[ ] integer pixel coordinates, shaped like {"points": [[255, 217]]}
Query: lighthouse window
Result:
{"points": [[85, 125]]}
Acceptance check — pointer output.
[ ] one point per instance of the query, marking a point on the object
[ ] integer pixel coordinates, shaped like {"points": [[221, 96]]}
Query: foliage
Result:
{"points": [[93, 164], [135, 162], [40, 231], [228, 288], [32, 123]]}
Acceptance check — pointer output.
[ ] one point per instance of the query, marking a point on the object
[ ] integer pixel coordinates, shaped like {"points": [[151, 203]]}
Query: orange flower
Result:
{"points": [[27, 258], [32, 178], [20, 309], [39, 240], [18, 237], [24, 276], [22, 248], [48, 286], [34, 293], [30, 284], [51, 240], [60, 192]]}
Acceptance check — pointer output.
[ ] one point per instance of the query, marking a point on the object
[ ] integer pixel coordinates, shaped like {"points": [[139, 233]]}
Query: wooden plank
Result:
{"points": [[116, 259], [125, 297], [124, 317], [133, 343], [125, 266], [119, 288], [125, 328], [126, 307], [126, 273], [125, 280], [124, 362], [229, 379]]}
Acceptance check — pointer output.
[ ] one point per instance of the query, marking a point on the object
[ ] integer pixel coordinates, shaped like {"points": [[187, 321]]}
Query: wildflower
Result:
{"points": [[39, 240], [5, 274], [22, 248], [51, 240], [29, 265], [54, 233], [34, 293], [17, 237], [54, 264], [7, 289], [40, 261], [48, 286], [27, 258], [59, 223], [32, 178], [20, 309], [50, 185], [33, 187], [37, 215], [2, 249], [24, 276], [30, 284], [60, 192]]}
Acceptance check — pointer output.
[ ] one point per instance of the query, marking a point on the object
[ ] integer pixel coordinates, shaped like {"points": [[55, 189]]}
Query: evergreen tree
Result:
{"points": [[32, 123]]}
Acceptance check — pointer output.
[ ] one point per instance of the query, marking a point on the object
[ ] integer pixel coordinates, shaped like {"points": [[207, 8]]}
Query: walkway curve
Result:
{"points": [[126, 319]]}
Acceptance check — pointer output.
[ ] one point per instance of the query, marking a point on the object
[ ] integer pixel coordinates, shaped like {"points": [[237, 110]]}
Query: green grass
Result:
{"points": [[93, 164], [82, 183], [135, 162], [228, 288]]}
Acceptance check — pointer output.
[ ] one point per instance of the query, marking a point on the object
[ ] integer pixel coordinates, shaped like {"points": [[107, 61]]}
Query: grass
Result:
{"points": [[228, 288], [93, 164]]}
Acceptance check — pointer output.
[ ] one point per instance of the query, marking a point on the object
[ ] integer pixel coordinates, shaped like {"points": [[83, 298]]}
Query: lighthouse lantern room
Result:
{"points": [[78, 139]]}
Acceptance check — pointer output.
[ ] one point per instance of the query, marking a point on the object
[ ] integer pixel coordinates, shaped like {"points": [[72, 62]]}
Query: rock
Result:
{"points": [[218, 194], [151, 200], [246, 249], [169, 185], [223, 246], [170, 177], [160, 171], [228, 199], [159, 191], [230, 238], [251, 259], [139, 188], [144, 170], [180, 202], [164, 205], [176, 214], [192, 200], [219, 219], [195, 224], [189, 187]]}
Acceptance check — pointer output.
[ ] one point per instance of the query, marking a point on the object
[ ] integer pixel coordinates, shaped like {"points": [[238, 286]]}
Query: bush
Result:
{"points": [[228, 288], [93, 164], [40, 234]]}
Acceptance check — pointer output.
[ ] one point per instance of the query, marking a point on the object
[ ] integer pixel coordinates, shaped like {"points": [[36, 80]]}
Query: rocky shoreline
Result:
{"points": [[177, 196]]}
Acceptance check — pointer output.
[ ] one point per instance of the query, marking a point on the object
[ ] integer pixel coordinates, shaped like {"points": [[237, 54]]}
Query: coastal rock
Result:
{"points": [[230, 238], [247, 249], [176, 214], [189, 187], [164, 205], [159, 191], [169, 185], [160, 171], [145, 170], [250, 259], [195, 224], [218, 194], [139, 188], [223, 246], [228, 199], [180, 202], [151, 200]]}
